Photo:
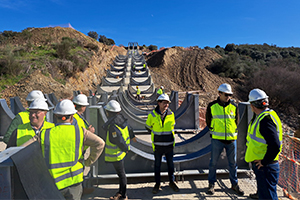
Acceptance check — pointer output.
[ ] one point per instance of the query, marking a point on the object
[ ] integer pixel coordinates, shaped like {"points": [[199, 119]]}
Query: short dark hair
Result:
{"points": [[260, 104]]}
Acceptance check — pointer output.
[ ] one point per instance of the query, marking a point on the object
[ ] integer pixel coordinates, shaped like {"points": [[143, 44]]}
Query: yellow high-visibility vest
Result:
{"points": [[154, 123], [257, 146], [223, 122], [25, 132], [112, 152], [62, 148], [24, 116]]}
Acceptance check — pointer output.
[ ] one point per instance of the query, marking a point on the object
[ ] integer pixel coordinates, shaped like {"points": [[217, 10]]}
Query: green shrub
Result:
{"points": [[230, 47], [152, 47], [282, 86], [106, 40], [93, 35], [10, 66]]}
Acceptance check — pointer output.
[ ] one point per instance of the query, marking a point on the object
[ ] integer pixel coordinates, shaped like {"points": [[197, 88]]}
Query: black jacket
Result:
{"points": [[115, 136]]}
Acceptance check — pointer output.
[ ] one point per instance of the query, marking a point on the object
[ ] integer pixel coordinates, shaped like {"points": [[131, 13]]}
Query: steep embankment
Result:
{"points": [[182, 69], [83, 81]]}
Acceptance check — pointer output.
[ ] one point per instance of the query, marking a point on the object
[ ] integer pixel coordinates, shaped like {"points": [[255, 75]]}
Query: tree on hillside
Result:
{"points": [[152, 47], [93, 34], [106, 40]]}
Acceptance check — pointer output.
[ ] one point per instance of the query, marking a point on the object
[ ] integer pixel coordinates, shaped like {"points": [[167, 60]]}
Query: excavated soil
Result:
{"points": [[184, 70]]}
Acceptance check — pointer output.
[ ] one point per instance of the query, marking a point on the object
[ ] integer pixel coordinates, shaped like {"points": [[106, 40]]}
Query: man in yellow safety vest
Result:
{"points": [[23, 117], [62, 147], [37, 112], [264, 144], [138, 93], [222, 120]]}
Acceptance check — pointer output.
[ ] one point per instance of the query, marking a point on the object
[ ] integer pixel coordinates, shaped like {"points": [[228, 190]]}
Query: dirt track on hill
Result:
{"points": [[186, 70]]}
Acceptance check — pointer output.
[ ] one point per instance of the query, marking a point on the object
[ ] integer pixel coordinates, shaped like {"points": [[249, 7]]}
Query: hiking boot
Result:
{"points": [[174, 186], [211, 189], [238, 190], [156, 188], [254, 196], [117, 196]]}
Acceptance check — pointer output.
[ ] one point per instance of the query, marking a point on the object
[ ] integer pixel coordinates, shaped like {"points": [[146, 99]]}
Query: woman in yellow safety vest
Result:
{"points": [[161, 123]]}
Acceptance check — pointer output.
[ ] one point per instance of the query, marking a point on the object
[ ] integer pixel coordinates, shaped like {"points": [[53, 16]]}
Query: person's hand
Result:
{"points": [[258, 164], [92, 129], [134, 139]]}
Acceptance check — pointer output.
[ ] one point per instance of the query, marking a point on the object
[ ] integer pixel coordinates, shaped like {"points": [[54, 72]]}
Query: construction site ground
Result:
{"points": [[191, 187]]}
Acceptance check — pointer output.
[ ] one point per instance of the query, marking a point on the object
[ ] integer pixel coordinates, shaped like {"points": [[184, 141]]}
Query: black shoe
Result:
{"points": [[238, 190], [116, 196], [174, 186], [254, 196], [156, 188], [211, 189]]}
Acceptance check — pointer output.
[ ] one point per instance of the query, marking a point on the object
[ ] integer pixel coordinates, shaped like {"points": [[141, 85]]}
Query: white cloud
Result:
{"points": [[13, 4]]}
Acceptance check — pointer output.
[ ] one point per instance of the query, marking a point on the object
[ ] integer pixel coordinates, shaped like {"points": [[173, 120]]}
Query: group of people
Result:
{"points": [[263, 140]]}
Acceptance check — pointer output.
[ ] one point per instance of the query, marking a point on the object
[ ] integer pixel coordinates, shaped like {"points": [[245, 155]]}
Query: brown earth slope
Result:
{"points": [[182, 69], [83, 81]]}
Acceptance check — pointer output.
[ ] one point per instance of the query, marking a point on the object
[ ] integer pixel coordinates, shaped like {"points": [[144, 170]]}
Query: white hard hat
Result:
{"points": [[113, 106], [39, 104], [65, 107], [162, 87], [163, 97], [226, 88], [81, 100], [35, 94], [257, 94]]}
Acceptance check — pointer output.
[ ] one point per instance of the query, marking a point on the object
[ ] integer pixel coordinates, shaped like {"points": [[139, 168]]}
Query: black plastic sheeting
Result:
{"points": [[33, 174]]}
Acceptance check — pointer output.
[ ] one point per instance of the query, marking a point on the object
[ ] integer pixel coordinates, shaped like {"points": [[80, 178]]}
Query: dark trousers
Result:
{"points": [[120, 169], [267, 179], [170, 164]]}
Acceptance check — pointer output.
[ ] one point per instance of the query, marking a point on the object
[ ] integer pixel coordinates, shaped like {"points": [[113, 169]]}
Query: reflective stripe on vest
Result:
{"points": [[62, 146], [112, 152], [82, 123], [161, 134], [256, 144], [223, 122], [25, 132]]}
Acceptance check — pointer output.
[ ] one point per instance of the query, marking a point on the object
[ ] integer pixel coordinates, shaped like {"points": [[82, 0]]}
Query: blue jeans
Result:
{"points": [[216, 150], [157, 164], [267, 179]]}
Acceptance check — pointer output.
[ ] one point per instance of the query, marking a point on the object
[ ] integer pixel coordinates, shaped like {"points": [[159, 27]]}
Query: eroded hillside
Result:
{"points": [[83, 81], [180, 69]]}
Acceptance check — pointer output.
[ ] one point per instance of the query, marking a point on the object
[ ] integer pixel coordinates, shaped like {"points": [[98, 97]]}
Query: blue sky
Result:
{"points": [[164, 23]]}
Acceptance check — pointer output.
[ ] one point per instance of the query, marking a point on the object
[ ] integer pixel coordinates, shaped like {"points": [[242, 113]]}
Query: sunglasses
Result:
{"points": [[227, 95]]}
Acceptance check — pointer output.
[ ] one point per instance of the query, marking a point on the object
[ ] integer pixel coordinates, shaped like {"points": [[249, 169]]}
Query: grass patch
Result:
{"points": [[7, 80]]}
